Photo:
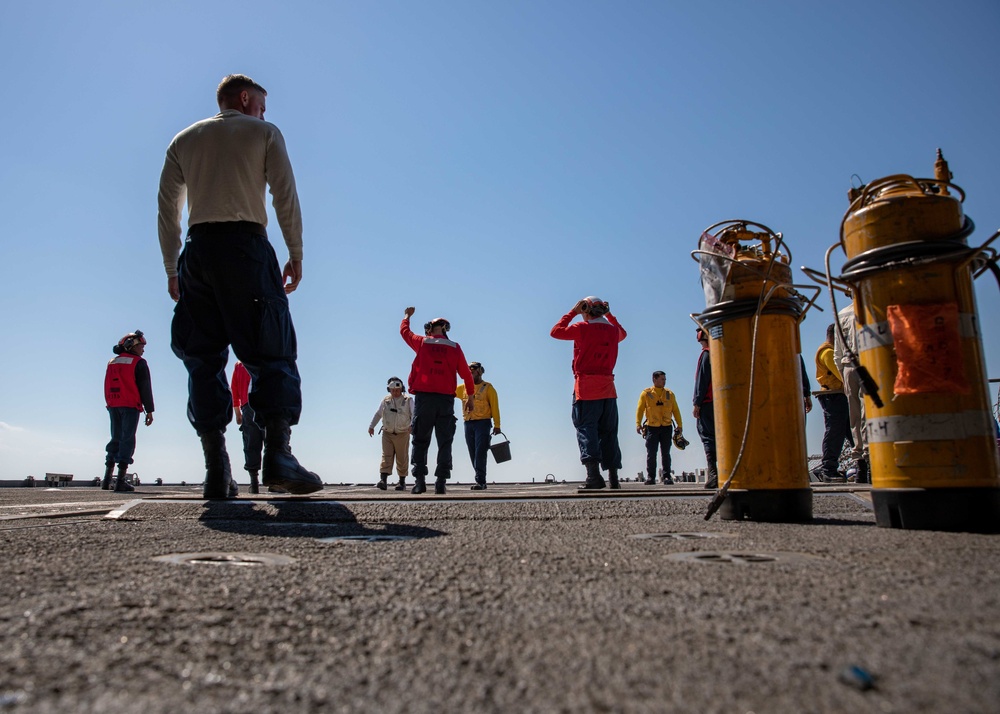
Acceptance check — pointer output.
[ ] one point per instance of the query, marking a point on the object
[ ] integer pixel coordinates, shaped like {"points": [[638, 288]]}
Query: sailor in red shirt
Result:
{"points": [[432, 384], [127, 391], [595, 401], [253, 435]]}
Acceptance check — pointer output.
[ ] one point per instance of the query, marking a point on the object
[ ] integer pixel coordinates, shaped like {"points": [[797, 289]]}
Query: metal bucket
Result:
{"points": [[501, 451]]}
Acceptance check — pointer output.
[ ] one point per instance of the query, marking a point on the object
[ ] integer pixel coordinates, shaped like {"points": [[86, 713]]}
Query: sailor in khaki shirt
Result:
{"points": [[396, 413], [486, 408], [229, 289]]}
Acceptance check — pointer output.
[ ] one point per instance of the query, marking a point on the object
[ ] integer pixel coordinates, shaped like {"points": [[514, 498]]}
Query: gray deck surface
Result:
{"points": [[522, 599]]}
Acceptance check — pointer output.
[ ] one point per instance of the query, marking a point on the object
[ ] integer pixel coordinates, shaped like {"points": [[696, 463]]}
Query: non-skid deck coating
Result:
{"points": [[502, 604]]}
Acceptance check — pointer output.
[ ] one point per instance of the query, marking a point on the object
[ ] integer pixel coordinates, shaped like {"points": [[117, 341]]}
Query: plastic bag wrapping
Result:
{"points": [[928, 349], [714, 267]]}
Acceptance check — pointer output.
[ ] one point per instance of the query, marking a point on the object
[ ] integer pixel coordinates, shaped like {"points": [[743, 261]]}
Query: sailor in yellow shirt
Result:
{"points": [[659, 407], [486, 407], [836, 413]]}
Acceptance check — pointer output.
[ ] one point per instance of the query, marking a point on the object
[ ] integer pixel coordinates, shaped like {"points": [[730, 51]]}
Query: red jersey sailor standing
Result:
{"points": [[127, 392], [432, 384], [253, 435], [595, 401]]}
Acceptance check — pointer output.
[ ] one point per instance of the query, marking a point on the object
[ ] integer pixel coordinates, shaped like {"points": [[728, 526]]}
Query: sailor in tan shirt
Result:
{"points": [[396, 413], [227, 282]]}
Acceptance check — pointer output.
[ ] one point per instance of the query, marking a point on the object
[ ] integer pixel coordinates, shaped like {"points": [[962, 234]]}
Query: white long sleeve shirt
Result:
{"points": [[395, 413], [846, 319]]}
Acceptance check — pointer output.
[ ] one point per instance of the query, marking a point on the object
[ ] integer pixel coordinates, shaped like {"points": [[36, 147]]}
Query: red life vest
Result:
{"points": [[595, 353], [435, 365], [120, 389], [437, 361], [240, 386]]}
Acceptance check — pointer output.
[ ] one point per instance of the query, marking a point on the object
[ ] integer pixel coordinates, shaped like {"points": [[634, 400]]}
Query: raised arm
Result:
{"points": [[407, 334], [614, 321], [562, 330]]}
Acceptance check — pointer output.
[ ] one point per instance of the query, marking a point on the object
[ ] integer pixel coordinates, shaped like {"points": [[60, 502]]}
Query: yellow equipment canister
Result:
{"points": [[934, 462], [752, 319]]}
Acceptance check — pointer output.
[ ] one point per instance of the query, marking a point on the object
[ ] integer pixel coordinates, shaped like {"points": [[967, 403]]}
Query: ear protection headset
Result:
{"points": [[394, 383], [129, 341], [594, 306], [481, 368], [428, 326]]}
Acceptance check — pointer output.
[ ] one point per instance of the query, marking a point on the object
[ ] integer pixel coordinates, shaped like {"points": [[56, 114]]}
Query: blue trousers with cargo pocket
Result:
{"points": [[596, 422], [433, 415], [232, 294], [124, 422]]}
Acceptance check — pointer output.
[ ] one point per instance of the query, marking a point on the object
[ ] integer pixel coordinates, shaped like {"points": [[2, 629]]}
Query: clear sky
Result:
{"points": [[491, 162]]}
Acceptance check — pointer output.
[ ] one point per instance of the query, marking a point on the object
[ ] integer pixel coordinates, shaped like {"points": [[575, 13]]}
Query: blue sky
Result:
{"points": [[489, 162]]}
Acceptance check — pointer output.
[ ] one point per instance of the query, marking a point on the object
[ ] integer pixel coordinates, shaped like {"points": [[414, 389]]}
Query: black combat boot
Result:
{"points": [[439, 485], [864, 471], [280, 467], [254, 482], [382, 484], [108, 470], [713, 479], [401, 486], [650, 480], [419, 485], [121, 485], [594, 479], [218, 476], [834, 477], [613, 479]]}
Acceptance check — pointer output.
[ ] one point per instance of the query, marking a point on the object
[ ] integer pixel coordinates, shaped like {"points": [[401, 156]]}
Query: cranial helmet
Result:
{"points": [[428, 326], [595, 307], [394, 383], [129, 341]]}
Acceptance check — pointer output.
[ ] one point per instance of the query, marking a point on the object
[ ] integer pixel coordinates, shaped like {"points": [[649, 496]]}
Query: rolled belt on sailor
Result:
{"points": [[226, 228]]}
